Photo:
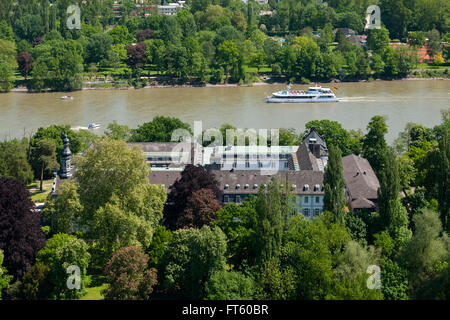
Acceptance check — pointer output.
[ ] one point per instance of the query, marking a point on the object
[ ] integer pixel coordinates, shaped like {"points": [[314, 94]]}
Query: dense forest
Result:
{"points": [[212, 41], [132, 240]]}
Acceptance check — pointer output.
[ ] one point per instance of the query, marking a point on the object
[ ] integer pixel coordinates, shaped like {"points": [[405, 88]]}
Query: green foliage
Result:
{"points": [[275, 282], [333, 133], [394, 281], [8, 64], [334, 183], [190, 260], [427, 253], [374, 144], [117, 131], [60, 252], [160, 129], [160, 240], [13, 161], [4, 277], [229, 285]]}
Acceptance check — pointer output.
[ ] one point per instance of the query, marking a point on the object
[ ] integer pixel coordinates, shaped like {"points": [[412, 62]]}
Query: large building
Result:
{"points": [[242, 170]]}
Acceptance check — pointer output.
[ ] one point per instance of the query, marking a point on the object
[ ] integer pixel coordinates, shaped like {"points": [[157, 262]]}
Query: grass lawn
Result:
{"points": [[95, 287], [38, 196], [94, 293]]}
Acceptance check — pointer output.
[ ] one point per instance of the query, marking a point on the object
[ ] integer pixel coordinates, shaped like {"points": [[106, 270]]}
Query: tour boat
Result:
{"points": [[93, 126], [313, 94], [68, 97]]}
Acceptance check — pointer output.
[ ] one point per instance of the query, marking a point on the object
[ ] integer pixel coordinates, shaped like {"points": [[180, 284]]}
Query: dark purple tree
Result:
{"points": [[200, 209], [21, 236], [146, 34], [25, 61], [136, 55], [193, 178]]}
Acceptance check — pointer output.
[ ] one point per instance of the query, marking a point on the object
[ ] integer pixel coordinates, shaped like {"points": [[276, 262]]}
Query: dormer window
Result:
{"points": [[316, 187], [255, 186], [238, 186], [246, 186], [226, 186], [306, 187]]}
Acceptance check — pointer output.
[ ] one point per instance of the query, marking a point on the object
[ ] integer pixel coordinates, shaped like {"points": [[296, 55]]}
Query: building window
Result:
{"points": [[234, 164], [316, 212], [260, 164], [238, 199], [306, 199], [286, 164], [306, 212], [225, 199], [317, 199], [247, 164]]}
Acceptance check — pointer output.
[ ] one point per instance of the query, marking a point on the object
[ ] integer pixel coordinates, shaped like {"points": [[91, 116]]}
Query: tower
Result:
{"points": [[66, 157]]}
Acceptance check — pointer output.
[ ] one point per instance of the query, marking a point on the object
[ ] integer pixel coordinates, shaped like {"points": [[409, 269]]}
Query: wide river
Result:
{"points": [[244, 107]]}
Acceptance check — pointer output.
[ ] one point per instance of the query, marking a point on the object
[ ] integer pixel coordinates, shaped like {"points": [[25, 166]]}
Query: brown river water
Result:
{"points": [[244, 107]]}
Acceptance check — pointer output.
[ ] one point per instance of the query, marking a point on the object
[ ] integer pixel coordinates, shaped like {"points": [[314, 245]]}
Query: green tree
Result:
{"points": [[63, 212], [160, 129], [190, 260], [268, 231], [333, 133], [394, 281], [334, 183], [229, 285], [5, 279], [13, 161], [8, 64], [160, 240], [427, 252], [121, 35], [378, 39], [118, 131], [374, 144], [393, 215], [275, 282], [60, 252], [416, 39], [47, 157], [227, 56]]}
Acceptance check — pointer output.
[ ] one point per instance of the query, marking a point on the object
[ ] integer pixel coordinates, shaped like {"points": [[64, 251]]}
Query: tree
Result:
{"points": [[35, 284], [378, 39], [47, 157], [63, 212], [120, 206], [193, 178], [20, 233], [98, 47], [275, 282], [13, 161], [416, 39], [190, 260], [25, 61], [268, 231], [121, 35], [57, 65], [434, 42], [160, 129], [160, 240], [136, 55], [334, 183], [374, 144], [393, 215], [396, 16], [127, 275], [333, 133], [351, 276], [146, 34], [394, 281], [117, 131], [8, 64], [227, 56], [4, 277], [60, 252], [200, 210], [427, 252], [229, 285]]}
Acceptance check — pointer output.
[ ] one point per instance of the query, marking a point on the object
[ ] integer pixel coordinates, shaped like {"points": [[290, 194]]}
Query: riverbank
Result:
{"points": [[234, 85]]}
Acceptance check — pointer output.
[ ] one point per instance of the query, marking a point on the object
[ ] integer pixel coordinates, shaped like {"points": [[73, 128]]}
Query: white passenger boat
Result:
{"points": [[93, 126], [68, 97], [313, 94]]}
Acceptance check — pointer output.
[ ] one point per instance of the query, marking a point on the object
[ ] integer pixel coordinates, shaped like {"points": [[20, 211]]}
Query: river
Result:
{"points": [[244, 107]]}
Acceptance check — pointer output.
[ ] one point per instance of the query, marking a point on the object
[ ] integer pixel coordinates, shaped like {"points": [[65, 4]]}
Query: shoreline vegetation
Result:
{"points": [[101, 86]]}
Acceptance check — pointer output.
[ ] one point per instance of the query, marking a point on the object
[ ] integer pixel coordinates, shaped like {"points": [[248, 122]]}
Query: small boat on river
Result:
{"points": [[68, 97], [93, 126]]}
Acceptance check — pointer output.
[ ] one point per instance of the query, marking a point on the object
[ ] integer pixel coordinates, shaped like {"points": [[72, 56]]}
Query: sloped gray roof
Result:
{"points": [[361, 181]]}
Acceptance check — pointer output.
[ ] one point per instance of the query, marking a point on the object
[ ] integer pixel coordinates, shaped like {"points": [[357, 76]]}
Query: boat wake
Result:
{"points": [[79, 128], [355, 99]]}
